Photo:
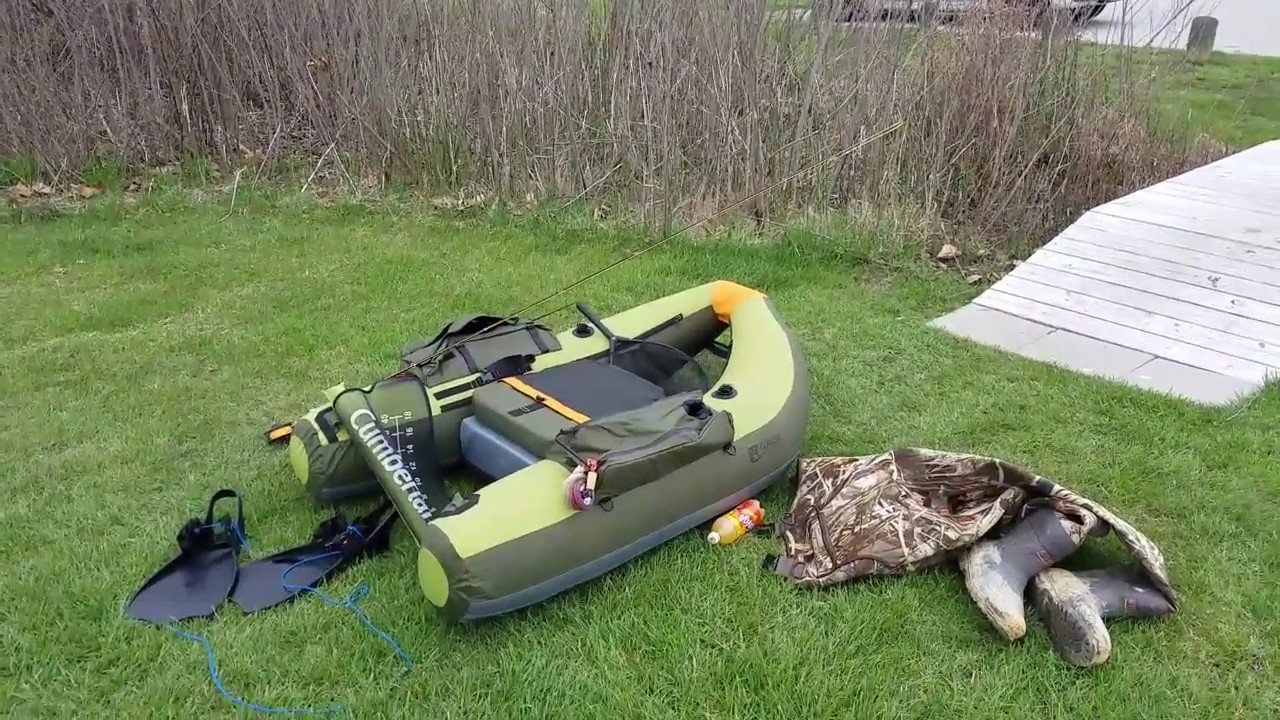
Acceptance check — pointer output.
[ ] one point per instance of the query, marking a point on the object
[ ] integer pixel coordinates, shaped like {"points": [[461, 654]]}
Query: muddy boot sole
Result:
{"points": [[1076, 606], [1076, 629]]}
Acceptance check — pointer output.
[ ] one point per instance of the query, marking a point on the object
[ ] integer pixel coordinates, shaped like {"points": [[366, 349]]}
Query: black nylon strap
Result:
{"points": [[458, 389], [508, 366], [537, 338], [324, 423], [466, 356]]}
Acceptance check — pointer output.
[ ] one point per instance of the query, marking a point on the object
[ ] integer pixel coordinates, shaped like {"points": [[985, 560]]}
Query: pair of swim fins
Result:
{"points": [[207, 570]]}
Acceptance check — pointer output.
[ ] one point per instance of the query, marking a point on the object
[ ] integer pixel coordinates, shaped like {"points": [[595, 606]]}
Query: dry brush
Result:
{"points": [[666, 105]]}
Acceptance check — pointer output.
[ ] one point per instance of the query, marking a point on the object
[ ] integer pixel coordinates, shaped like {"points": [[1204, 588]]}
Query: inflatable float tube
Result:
{"points": [[667, 448], [330, 467]]}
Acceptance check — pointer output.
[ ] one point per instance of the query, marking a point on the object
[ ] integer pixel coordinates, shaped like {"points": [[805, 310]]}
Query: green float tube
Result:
{"points": [[599, 443]]}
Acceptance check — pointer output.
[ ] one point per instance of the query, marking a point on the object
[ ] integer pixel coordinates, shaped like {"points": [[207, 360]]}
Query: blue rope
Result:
{"points": [[217, 682], [240, 536], [234, 528], [350, 601]]}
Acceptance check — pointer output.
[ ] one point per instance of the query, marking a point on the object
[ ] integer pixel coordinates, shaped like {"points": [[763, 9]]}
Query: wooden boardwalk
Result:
{"points": [[1175, 288]]}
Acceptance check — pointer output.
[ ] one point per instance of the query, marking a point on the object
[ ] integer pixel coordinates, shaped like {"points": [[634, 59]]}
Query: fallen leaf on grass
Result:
{"points": [[251, 156], [42, 189], [948, 252], [973, 279], [459, 203]]}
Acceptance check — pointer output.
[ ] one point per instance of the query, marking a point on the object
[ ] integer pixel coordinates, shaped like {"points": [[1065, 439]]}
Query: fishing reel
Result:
{"points": [[580, 486]]}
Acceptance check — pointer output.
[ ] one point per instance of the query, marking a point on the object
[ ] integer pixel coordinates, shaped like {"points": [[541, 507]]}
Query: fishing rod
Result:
{"points": [[597, 273]]}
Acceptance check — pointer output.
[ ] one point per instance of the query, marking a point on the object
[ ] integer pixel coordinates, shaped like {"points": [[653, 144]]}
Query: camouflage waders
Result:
{"points": [[914, 508]]}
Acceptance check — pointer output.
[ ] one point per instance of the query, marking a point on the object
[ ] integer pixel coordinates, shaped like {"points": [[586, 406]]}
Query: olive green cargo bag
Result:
{"points": [[636, 447], [321, 454]]}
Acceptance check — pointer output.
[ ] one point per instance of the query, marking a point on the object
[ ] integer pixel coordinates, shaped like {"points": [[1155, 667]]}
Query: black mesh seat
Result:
{"points": [[594, 388]]}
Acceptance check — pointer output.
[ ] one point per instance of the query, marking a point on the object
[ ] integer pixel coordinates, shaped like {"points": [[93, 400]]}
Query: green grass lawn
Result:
{"points": [[1232, 98], [144, 351]]}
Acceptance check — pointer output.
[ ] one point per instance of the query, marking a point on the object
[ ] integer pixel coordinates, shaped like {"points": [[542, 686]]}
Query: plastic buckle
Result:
{"points": [[593, 473], [329, 530], [351, 543], [194, 535], [279, 432], [198, 534]]}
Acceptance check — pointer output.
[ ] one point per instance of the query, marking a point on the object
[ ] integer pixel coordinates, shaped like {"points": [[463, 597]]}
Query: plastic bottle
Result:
{"points": [[736, 523]]}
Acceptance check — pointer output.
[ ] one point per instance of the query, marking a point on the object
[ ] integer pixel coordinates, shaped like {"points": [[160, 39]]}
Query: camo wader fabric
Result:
{"points": [[913, 508]]}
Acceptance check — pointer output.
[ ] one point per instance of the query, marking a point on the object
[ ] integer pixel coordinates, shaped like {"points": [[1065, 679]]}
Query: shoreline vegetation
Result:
{"points": [[661, 112]]}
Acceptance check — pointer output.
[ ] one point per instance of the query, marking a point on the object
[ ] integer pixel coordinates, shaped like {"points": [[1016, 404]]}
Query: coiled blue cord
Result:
{"points": [[359, 593], [217, 683], [351, 602]]}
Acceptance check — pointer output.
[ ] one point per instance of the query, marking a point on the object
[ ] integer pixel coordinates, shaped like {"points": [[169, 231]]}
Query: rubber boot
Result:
{"points": [[1074, 606], [996, 572]]}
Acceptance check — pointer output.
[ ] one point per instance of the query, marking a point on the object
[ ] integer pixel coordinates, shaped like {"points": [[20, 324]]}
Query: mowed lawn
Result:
{"points": [[145, 350], [1231, 98]]}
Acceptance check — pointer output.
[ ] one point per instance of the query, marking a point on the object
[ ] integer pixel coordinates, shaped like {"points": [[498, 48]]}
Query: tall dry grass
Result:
{"points": [[673, 106]]}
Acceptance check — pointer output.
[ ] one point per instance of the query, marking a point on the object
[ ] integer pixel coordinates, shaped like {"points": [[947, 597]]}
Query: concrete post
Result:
{"points": [[1204, 30]]}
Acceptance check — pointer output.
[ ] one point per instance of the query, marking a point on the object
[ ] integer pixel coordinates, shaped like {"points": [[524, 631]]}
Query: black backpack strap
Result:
{"points": [[464, 325], [508, 366]]}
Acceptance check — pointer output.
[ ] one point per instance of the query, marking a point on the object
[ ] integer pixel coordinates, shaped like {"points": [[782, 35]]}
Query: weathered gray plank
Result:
{"points": [[1269, 150], [1227, 181], [1219, 195], [1141, 340], [1256, 164], [1229, 177], [1252, 171], [1245, 165], [1141, 297], [1260, 161], [1129, 256], [1119, 232], [1239, 225], [1209, 339]]}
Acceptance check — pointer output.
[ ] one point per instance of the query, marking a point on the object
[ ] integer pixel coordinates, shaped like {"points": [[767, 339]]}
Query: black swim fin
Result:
{"points": [[335, 544], [199, 578]]}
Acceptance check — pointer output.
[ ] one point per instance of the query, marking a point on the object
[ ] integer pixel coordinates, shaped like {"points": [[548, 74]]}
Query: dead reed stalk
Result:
{"points": [[663, 104]]}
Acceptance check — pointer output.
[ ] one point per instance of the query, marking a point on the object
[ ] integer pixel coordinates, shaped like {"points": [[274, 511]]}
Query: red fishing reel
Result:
{"points": [[580, 486]]}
